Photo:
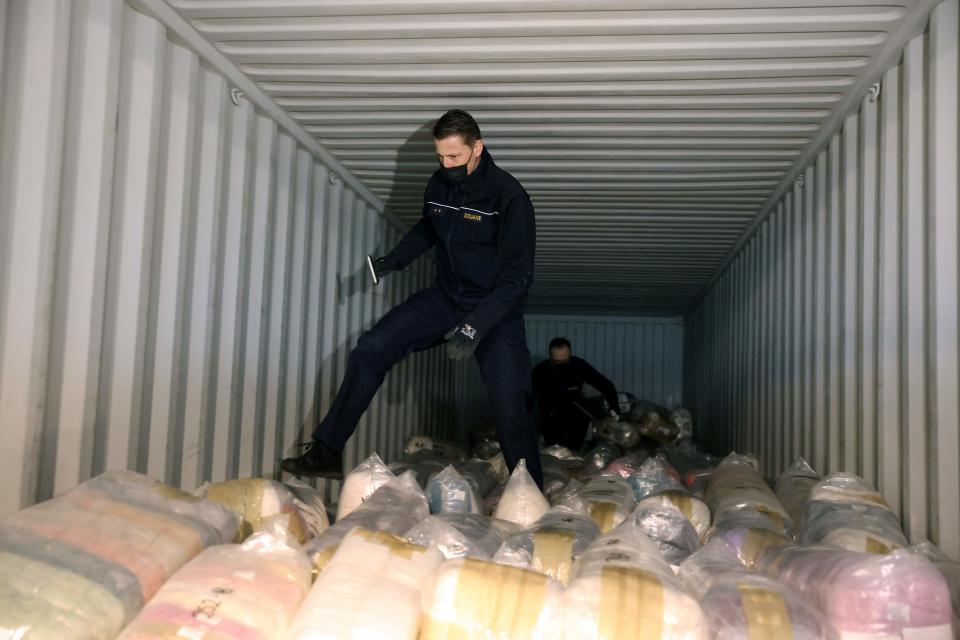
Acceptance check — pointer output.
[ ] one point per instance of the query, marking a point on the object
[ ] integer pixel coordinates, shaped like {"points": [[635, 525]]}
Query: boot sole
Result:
{"points": [[302, 473]]}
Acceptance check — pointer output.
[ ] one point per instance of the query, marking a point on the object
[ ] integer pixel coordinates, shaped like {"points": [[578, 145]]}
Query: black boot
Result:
{"points": [[318, 460]]}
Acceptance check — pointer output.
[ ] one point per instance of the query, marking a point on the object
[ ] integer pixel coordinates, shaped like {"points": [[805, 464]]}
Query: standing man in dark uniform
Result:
{"points": [[481, 222], [558, 385]]}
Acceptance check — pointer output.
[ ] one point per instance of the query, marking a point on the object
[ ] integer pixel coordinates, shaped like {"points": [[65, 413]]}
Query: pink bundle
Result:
{"points": [[868, 594]]}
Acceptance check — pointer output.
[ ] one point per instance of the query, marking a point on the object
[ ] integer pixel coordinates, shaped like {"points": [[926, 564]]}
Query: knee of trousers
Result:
{"points": [[375, 350]]}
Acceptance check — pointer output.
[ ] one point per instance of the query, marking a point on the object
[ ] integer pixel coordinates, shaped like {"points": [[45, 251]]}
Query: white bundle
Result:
{"points": [[361, 483], [370, 590], [479, 600], [623, 589], [521, 502]]}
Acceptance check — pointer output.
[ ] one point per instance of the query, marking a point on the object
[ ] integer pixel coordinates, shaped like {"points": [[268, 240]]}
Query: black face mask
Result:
{"points": [[456, 174]]}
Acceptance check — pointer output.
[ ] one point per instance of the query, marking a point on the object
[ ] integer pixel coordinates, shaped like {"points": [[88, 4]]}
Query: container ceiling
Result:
{"points": [[650, 135]]}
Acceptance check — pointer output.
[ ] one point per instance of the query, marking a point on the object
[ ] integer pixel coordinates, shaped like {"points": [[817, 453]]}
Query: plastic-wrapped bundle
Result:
{"points": [[310, 505], [393, 508], [492, 501], [950, 569], [659, 429], [424, 465], [80, 566], [478, 600], [251, 590], [735, 484], [669, 529], [569, 495], [854, 527], [480, 474], [559, 452], [551, 545], [655, 475], [846, 512], [521, 501], [437, 446], [257, 501], [485, 449], [608, 499], [623, 433], [750, 543], [658, 484], [370, 590], [462, 535], [360, 484], [684, 421], [622, 589], [598, 458], [449, 492], [738, 604], [628, 464], [793, 489], [499, 465], [865, 595]]}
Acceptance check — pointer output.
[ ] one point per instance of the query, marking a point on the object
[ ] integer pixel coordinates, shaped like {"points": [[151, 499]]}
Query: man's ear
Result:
{"points": [[478, 147]]}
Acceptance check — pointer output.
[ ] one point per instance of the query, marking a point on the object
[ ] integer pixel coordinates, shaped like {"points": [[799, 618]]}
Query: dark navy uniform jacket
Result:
{"points": [[484, 232], [557, 386]]}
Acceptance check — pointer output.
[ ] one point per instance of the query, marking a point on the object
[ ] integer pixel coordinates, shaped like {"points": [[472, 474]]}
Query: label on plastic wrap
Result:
{"points": [[191, 634], [460, 494], [939, 632]]}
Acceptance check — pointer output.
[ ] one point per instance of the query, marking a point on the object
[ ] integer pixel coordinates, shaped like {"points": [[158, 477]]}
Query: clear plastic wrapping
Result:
{"points": [[424, 465], [793, 489], [750, 543], [551, 545], [478, 600], [597, 459], [80, 566], [485, 449], [684, 421], [521, 501], [257, 501], [310, 505], [360, 484], [559, 452], [370, 589], [623, 589], [492, 501], [393, 508], [555, 475], [896, 595], [449, 492], [738, 604], [437, 446], [629, 463], [606, 498], [462, 535], [480, 474], [659, 429], [657, 483], [240, 591], [949, 569], [846, 512], [669, 529], [735, 485]]}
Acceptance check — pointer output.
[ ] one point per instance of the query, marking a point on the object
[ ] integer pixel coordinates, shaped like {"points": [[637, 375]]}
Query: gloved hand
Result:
{"points": [[462, 340], [383, 266], [614, 415]]}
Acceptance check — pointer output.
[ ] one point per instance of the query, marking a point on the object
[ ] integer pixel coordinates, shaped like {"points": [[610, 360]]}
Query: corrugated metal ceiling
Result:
{"points": [[649, 134]]}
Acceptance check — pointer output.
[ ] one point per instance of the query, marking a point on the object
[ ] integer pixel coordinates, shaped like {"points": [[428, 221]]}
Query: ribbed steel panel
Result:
{"points": [[649, 134], [640, 355], [180, 277], [839, 318]]}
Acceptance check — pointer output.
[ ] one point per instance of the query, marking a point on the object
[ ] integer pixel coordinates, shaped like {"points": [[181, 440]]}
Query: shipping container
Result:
{"points": [[744, 207]]}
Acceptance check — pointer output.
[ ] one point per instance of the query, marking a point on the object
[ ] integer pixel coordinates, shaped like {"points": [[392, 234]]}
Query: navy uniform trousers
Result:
{"points": [[420, 323]]}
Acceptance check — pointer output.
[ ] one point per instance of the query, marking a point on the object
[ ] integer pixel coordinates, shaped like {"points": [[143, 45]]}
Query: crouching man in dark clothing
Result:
{"points": [[558, 386], [481, 222]]}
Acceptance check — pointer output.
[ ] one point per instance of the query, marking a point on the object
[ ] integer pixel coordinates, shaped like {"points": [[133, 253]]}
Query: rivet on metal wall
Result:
{"points": [[235, 95], [873, 93], [800, 181]]}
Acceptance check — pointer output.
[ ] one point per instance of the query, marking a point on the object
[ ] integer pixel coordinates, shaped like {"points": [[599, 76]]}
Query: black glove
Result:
{"points": [[461, 341], [383, 266]]}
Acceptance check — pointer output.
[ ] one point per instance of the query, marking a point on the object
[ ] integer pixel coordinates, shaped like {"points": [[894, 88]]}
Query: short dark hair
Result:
{"points": [[457, 122], [557, 343]]}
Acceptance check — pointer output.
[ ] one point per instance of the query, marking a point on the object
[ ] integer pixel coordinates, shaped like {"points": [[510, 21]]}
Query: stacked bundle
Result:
{"points": [[657, 483], [551, 545], [83, 564]]}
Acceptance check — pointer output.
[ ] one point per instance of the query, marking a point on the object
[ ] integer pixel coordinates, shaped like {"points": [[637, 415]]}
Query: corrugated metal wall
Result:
{"points": [[641, 355], [180, 279], [833, 334]]}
